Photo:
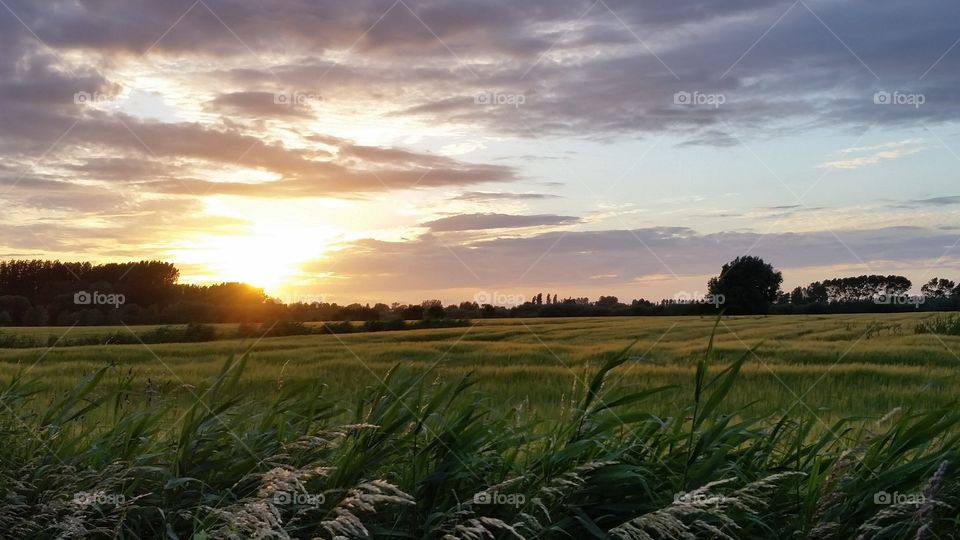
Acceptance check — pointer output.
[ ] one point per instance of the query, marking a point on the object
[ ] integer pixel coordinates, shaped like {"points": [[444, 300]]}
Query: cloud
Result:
{"points": [[503, 196], [949, 200], [581, 72], [570, 258], [871, 155], [171, 153], [259, 104], [477, 222]]}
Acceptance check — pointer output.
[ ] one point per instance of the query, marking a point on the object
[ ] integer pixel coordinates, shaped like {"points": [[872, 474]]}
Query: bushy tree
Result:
{"points": [[412, 313], [608, 301], [747, 284], [36, 316], [938, 288]]}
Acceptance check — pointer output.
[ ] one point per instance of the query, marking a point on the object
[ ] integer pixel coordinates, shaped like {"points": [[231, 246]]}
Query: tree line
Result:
{"points": [[41, 293]]}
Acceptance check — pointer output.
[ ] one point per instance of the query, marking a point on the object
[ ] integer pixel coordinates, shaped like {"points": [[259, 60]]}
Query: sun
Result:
{"points": [[268, 251], [264, 260]]}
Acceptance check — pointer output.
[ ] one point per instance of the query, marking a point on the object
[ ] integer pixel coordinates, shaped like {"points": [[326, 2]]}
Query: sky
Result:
{"points": [[399, 150]]}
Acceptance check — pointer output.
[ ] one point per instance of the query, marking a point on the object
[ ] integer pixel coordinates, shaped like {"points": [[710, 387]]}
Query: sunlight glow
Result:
{"points": [[267, 252]]}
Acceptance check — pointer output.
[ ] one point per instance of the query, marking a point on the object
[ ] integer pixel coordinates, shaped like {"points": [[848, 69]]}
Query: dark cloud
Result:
{"points": [[477, 222], [821, 62], [935, 201]]}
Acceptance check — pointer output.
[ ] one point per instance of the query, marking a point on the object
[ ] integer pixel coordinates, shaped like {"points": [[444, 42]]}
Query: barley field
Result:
{"points": [[815, 427], [828, 366]]}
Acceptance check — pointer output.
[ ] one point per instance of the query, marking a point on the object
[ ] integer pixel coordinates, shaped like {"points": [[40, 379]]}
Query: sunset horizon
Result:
{"points": [[396, 151], [480, 269]]}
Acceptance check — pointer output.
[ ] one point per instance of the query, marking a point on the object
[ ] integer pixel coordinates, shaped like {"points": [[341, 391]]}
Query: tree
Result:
{"points": [[412, 313], [608, 301], [816, 292], [433, 309], [747, 285], [865, 288], [15, 306], [35, 316], [938, 288], [796, 296]]}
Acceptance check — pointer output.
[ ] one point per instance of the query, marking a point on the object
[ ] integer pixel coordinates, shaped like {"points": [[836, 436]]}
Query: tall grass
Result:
{"points": [[418, 458], [946, 325]]}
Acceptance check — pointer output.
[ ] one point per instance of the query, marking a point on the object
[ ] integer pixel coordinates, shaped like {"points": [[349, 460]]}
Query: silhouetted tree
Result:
{"points": [[816, 292], [865, 288], [797, 297], [36, 316], [748, 285], [938, 288], [608, 301], [412, 312]]}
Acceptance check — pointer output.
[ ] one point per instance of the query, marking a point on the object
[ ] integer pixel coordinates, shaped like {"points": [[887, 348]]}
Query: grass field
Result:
{"points": [[831, 366], [557, 433]]}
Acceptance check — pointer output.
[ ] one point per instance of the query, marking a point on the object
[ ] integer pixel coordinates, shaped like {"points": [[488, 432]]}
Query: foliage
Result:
{"points": [[747, 284]]}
